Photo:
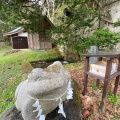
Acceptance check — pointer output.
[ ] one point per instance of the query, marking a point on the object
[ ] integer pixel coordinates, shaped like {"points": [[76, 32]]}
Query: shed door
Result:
{"points": [[20, 43]]}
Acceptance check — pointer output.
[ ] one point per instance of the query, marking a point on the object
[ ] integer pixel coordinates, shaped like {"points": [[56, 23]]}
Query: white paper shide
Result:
{"points": [[39, 110], [61, 109]]}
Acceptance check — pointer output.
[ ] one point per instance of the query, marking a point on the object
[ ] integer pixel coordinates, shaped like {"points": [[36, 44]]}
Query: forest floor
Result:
{"points": [[91, 101]]}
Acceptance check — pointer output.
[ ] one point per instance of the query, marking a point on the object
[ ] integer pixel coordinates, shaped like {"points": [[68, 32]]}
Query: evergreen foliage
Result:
{"points": [[102, 38], [28, 13], [116, 24], [74, 31]]}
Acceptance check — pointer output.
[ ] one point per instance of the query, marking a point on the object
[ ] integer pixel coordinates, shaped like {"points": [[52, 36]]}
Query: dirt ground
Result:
{"points": [[91, 101]]}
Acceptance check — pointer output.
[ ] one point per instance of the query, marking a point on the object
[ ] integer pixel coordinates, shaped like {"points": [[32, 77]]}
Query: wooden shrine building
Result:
{"points": [[21, 39]]}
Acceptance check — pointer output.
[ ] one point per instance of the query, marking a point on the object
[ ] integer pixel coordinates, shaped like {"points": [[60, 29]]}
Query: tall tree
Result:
{"points": [[75, 27], [28, 13], [78, 18]]}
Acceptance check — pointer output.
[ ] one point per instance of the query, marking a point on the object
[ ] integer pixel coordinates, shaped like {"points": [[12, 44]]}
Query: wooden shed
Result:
{"points": [[21, 39]]}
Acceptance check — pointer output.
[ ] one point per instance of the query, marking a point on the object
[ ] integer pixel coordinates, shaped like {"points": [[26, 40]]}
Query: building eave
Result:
{"points": [[15, 31]]}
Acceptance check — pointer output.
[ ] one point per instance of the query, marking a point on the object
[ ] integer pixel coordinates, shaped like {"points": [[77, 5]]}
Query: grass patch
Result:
{"points": [[94, 86], [11, 72], [114, 99], [4, 49]]}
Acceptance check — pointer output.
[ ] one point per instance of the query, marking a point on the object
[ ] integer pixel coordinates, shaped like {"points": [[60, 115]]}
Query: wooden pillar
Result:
{"points": [[12, 42], [85, 75], [117, 79], [106, 83], [98, 82]]}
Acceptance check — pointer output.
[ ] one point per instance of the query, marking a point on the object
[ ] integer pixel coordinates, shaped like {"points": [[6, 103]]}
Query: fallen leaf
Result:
{"points": [[86, 113]]}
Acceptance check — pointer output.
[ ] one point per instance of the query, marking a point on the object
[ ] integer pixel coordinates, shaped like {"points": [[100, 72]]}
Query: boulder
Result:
{"points": [[45, 85]]}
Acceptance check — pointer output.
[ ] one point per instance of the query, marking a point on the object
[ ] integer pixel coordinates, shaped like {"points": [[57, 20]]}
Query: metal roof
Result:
{"points": [[21, 29], [15, 31]]}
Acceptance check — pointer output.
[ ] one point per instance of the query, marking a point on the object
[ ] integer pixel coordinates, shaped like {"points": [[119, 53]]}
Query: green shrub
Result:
{"points": [[71, 56], [114, 99], [103, 38]]}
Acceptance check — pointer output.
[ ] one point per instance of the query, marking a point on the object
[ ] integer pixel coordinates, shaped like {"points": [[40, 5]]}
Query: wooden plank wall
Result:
{"points": [[36, 43]]}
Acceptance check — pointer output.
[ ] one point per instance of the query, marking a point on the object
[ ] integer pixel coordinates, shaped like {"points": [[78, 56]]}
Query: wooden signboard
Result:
{"points": [[100, 68]]}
